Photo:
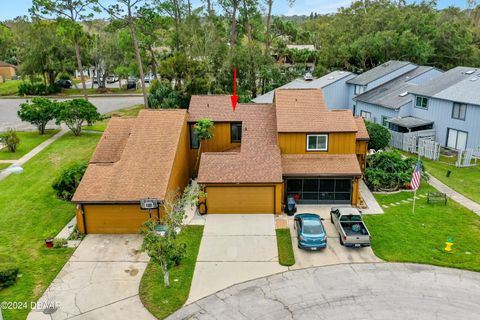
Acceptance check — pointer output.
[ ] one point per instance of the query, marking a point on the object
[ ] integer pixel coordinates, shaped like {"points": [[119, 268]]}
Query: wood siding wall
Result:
{"points": [[356, 192], [361, 150], [338, 143], [182, 167], [7, 72]]}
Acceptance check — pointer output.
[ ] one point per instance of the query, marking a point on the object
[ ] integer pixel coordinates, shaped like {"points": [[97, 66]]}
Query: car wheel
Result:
{"points": [[341, 240]]}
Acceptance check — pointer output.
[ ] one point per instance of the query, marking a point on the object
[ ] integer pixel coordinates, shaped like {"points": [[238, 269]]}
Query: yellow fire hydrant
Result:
{"points": [[448, 245]]}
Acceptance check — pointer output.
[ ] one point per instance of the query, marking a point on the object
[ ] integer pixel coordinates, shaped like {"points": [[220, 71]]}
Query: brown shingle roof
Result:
{"points": [[113, 140], [144, 166], [320, 165], [259, 158], [362, 133], [304, 110], [4, 64], [217, 108]]}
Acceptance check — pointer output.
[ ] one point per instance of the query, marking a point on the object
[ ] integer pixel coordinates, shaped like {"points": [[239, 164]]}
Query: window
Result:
{"points": [[359, 89], [384, 121], [236, 132], [456, 139], [421, 102], [317, 142], [459, 111], [194, 142], [365, 114]]}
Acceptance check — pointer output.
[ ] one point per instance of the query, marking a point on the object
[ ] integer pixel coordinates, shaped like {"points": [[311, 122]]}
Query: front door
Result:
{"points": [[456, 139]]}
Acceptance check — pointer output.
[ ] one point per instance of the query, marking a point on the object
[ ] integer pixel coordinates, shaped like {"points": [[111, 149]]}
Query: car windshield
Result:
{"points": [[312, 227], [351, 218]]}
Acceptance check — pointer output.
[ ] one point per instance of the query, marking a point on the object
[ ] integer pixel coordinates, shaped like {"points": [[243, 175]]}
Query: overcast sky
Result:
{"points": [[11, 9]]}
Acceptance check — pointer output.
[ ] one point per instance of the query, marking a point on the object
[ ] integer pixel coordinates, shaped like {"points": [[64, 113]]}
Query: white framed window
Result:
{"points": [[459, 111], [421, 102], [365, 114], [359, 89], [317, 142], [456, 139]]}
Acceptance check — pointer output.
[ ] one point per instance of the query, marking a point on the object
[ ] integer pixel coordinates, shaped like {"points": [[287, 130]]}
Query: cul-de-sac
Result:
{"points": [[239, 159]]}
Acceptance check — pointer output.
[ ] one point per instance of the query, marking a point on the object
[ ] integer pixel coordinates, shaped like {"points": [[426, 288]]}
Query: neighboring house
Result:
{"points": [[376, 77], [260, 154], [392, 99], [7, 71], [452, 102], [334, 87]]}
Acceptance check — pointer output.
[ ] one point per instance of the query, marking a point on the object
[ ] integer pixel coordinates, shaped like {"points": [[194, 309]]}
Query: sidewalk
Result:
{"points": [[454, 195], [370, 201], [33, 153]]}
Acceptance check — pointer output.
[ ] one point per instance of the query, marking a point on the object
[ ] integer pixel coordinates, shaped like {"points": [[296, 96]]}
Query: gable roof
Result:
{"points": [[362, 133], [137, 164], [392, 93], [217, 108], [460, 84], [258, 160], [378, 72], [299, 83], [304, 110], [5, 64]]}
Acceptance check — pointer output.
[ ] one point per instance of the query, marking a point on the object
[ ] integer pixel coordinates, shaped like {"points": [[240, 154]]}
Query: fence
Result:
{"points": [[429, 149], [408, 141], [468, 157]]}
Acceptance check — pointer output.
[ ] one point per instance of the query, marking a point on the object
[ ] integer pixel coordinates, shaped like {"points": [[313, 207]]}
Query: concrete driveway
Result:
{"points": [[358, 291], [100, 281], [334, 253], [9, 108], [234, 248]]}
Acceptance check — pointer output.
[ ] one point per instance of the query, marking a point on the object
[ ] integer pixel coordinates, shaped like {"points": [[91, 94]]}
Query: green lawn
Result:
{"points": [[28, 141], [9, 88], [161, 301], [285, 249], [127, 112], [30, 213], [4, 165], [402, 236], [464, 180]]}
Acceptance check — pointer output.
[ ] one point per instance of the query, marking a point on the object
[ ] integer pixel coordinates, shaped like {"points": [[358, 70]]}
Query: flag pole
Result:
{"points": [[415, 193]]}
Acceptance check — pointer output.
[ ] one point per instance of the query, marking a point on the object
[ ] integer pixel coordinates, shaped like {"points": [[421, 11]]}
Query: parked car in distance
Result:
{"points": [[308, 77], [64, 84], [310, 231], [132, 83], [112, 79], [351, 229]]}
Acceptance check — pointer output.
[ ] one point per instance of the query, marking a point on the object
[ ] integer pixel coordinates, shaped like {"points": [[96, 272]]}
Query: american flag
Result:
{"points": [[415, 183]]}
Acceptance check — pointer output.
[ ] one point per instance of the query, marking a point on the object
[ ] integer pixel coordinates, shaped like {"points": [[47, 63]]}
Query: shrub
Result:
{"points": [[8, 275], [68, 181], [38, 113], [11, 140], [75, 112], [37, 89], [379, 135], [388, 170], [163, 96], [59, 242]]}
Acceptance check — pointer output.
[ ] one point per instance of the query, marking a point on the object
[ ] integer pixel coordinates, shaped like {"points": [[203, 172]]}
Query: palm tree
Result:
{"points": [[204, 132]]}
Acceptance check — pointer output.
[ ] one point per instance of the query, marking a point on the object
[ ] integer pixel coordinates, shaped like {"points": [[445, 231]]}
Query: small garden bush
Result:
{"points": [[39, 112], [379, 135], [389, 171], [11, 140], [8, 275], [68, 181], [59, 242], [37, 89]]}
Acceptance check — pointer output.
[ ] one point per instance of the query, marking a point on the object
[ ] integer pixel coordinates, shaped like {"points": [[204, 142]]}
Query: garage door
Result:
{"points": [[114, 218], [240, 199]]}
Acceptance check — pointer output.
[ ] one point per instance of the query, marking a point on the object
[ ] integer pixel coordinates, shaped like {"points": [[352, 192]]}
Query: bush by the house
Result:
{"points": [[379, 135], [39, 112], [389, 171], [8, 275], [60, 242], [75, 112], [37, 89], [68, 181], [11, 140]]}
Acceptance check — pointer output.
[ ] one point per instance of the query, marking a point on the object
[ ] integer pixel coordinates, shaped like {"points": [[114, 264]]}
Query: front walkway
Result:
{"points": [[234, 248], [356, 291], [32, 153], [370, 201], [454, 195], [100, 281]]}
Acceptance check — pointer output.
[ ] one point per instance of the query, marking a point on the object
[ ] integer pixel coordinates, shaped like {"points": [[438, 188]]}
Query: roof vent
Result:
{"points": [[331, 78], [470, 72], [403, 94], [474, 79]]}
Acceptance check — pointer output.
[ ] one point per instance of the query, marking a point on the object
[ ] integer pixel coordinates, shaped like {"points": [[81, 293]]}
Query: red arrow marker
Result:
{"points": [[234, 98]]}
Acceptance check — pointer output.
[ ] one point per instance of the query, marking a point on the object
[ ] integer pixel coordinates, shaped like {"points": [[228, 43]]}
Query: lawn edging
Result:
{"points": [[285, 247], [160, 301]]}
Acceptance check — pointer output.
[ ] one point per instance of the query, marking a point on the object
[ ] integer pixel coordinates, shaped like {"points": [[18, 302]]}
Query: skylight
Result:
{"points": [[470, 72], [403, 94]]}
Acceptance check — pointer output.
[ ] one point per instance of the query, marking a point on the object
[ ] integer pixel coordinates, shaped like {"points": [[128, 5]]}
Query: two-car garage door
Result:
{"points": [[244, 199]]}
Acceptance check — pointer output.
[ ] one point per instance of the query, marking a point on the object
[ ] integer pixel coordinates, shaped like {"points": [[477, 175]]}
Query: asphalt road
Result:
{"points": [[9, 108], [348, 291]]}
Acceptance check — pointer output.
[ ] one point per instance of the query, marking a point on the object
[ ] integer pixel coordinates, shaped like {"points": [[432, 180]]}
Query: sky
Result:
{"points": [[10, 9]]}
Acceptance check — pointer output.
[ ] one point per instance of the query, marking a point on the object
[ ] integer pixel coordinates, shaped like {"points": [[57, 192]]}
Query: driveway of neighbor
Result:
{"points": [[234, 248], [357, 291], [334, 253], [100, 281]]}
